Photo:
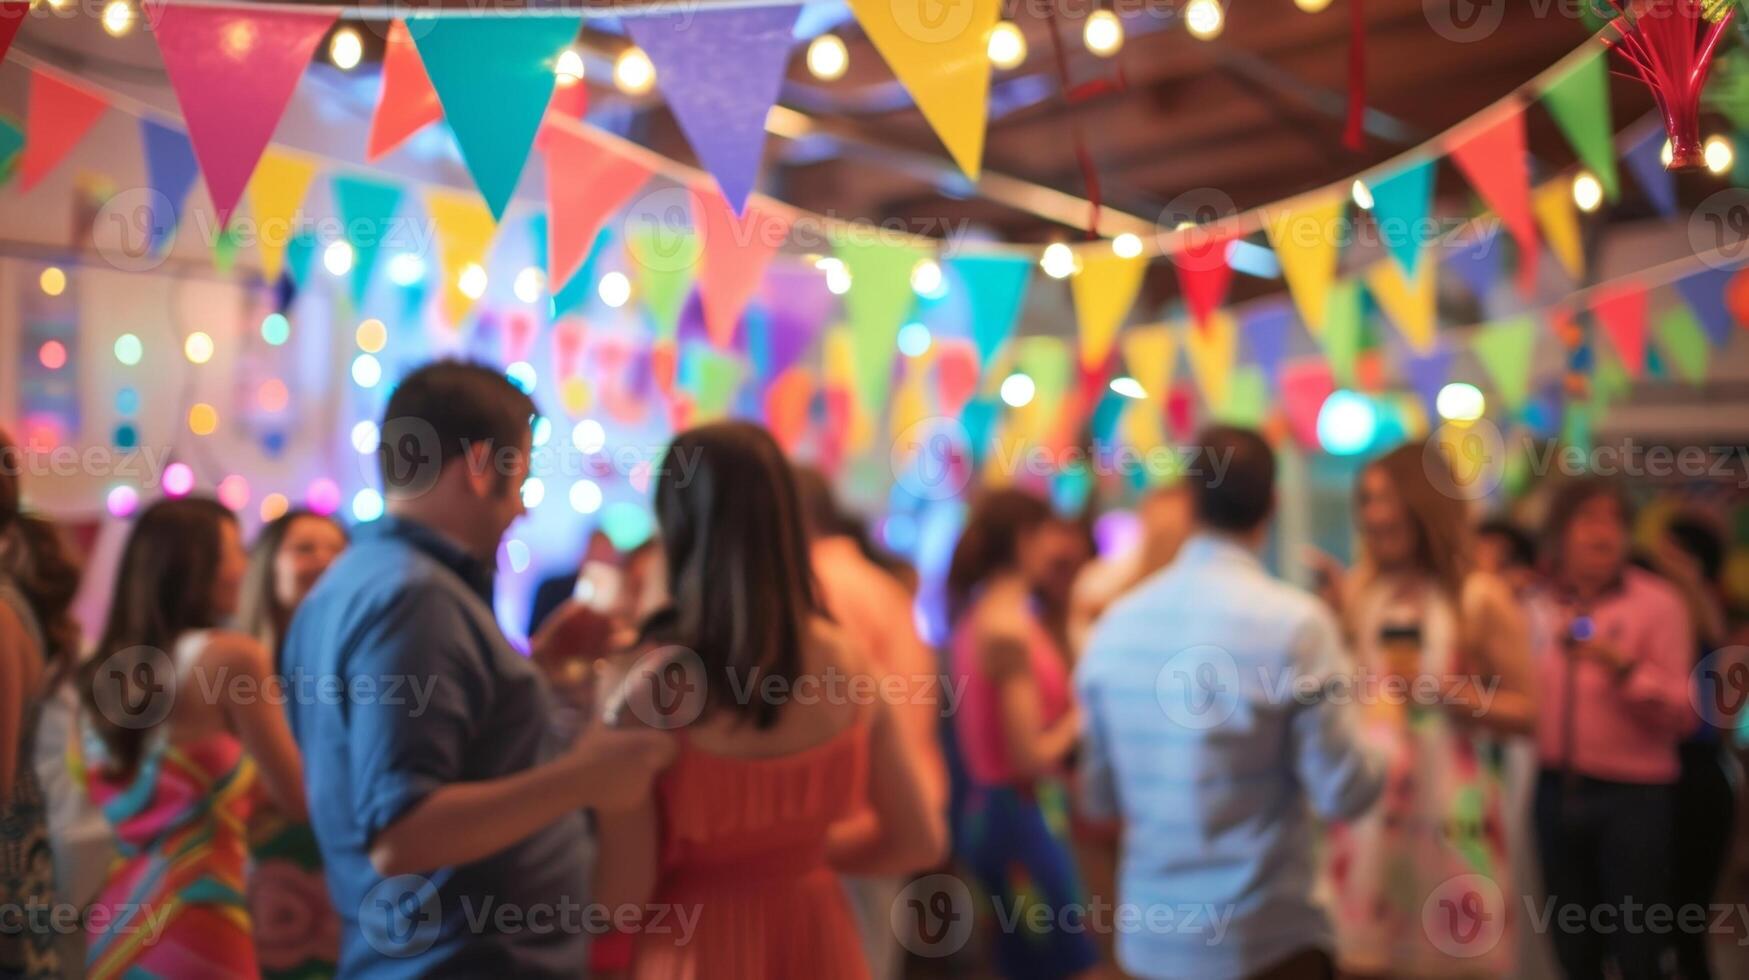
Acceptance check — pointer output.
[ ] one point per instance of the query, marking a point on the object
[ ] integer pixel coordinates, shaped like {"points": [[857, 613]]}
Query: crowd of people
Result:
{"points": [[731, 754]]}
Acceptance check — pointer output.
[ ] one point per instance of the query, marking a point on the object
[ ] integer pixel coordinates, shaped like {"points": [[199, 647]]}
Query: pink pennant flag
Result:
{"points": [[735, 252], [57, 117], [1621, 311], [1497, 165], [12, 14], [1305, 385], [587, 180], [408, 103], [234, 70], [1203, 273], [956, 375]]}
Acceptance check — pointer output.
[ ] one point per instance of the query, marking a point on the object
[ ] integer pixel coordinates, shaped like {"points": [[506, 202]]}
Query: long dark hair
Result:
{"points": [[740, 586], [40, 566], [990, 542], [163, 589], [1443, 543], [258, 612]]}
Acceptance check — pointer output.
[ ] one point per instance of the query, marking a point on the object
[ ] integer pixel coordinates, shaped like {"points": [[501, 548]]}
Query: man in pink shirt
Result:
{"points": [[870, 605], [1614, 682]]}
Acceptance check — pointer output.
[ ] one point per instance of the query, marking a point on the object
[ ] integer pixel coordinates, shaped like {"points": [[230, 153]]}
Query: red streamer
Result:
{"points": [[1354, 131]]}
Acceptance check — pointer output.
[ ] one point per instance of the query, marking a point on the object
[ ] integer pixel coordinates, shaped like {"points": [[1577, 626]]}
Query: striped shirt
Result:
{"points": [[1213, 727]]}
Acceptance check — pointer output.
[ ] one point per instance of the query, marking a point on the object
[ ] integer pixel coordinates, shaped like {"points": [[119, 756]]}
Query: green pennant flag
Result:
{"points": [[1046, 361], [1247, 398], [11, 141], [1344, 326], [1609, 382], [1506, 350], [711, 377], [1579, 101], [225, 250], [1684, 343], [1727, 93], [666, 262], [300, 253], [494, 77], [366, 209], [880, 298], [1576, 426]]}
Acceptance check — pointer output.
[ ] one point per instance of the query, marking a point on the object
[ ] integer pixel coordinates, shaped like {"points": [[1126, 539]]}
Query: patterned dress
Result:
{"points": [[297, 933], [1421, 882], [27, 868]]}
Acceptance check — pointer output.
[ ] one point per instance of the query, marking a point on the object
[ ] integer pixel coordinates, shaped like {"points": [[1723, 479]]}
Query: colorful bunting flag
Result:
{"points": [[1427, 373], [367, 207], [1621, 312], [276, 192], [720, 70], [735, 252], [1704, 292], [234, 70], [1496, 163], [1411, 305], [1507, 352], [1306, 383], [879, 300], [1559, 218], [1476, 260], [58, 115], [576, 294], [787, 402], [1645, 160], [1203, 273], [1685, 343], [1150, 353], [1579, 101], [1104, 290], [1307, 242], [996, 290], [1343, 326], [588, 178], [665, 259], [1212, 350], [1247, 401], [711, 378], [956, 374], [11, 145], [1401, 202], [464, 237], [941, 57], [1265, 328], [494, 78], [12, 14], [408, 103], [170, 172], [798, 304], [1045, 360]]}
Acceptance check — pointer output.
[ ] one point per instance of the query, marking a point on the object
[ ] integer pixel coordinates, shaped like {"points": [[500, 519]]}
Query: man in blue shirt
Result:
{"points": [[449, 816], [1218, 725]]}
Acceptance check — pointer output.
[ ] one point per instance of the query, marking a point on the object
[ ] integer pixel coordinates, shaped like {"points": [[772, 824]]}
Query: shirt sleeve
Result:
{"points": [[1657, 686], [1342, 776], [1097, 794], [417, 679]]}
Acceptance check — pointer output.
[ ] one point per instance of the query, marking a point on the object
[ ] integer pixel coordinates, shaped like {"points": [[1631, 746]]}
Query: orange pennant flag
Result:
{"points": [[408, 102], [587, 180], [735, 252], [1497, 165], [786, 406], [58, 116]]}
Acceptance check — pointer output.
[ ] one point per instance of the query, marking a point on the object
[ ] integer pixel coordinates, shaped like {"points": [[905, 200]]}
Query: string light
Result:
{"points": [[274, 506], [926, 279], [1103, 33], [198, 348], [1312, 6], [366, 371], [828, 58], [585, 496], [529, 285], [615, 289], [1017, 390], [534, 490], [406, 269], [53, 280], [1007, 47], [366, 437], [1347, 423], [1204, 19], [914, 339], [323, 496], [346, 50], [203, 419], [1128, 387], [233, 492], [1127, 245], [568, 71], [372, 336], [1058, 261], [633, 71], [367, 505], [837, 274], [273, 396], [337, 258], [472, 281], [178, 480], [128, 349], [1362, 194], [522, 375], [122, 501], [118, 18], [1719, 155], [1460, 402], [1587, 191]]}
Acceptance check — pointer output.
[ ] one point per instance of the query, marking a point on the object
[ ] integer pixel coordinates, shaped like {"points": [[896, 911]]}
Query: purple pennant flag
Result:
{"points": [[1427, 373], [691, 326], [797, 305], [1266, 329], [1704, 292], [170, 170], [1645, 160], [720, 71], [1477, 262]]}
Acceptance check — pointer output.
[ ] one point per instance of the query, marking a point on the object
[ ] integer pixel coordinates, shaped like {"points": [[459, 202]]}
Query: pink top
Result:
{"points": [[979, 720], [1624, 729]]}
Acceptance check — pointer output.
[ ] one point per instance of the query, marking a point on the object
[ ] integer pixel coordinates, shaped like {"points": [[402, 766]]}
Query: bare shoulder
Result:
{"points": [[234, 650], [832, 646]]}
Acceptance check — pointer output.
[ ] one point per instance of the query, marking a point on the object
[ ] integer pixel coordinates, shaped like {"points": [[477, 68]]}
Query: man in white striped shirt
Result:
{"points": [[1220, 727]]}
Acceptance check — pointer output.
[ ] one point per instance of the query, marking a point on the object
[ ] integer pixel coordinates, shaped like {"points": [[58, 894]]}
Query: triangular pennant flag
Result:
{"points": [[408, 103], [573, 296], [1203, 273], [880, 298], [1400, 205], [1150, 353], [1645, 159], [1410, 304], [1621, 312], [1343, 325], [1307, 239], [798, 303], [57, 117], [996, 290], [1475, 260], [665, 259], [464, 236], [587, 180], [1265, 328], [736, 250], [11, 145], [234, 70], [1684, 343], [787, 400], [1046, 362], [942, 58], [710, 377], [1579, 101], [494, 76], [170, 171], [1555, 212], [1144, 427], [366, 208], [1211, 351], [956, 374], [1247, 401], [1104, 288], [1497, 165], [1306, 384], [276, 192], [12, 14], [1427, 374], [297, 255], [1704, 292], [719, 70], [1507, 352]]}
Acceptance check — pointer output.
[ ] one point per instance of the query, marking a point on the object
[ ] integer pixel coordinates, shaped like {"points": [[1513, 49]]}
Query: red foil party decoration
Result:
{"points": [[1670, 46]]}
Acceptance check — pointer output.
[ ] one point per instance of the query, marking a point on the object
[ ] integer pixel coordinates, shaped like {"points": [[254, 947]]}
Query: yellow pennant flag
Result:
{"points": [[838, 366], [1306, 239], [1142, 427], [275, 193], [465, 228], [1211, 350], [940, 52], [1553, 204], [910, 403], [1149, 353], [1104, 288], [1412, 304]]}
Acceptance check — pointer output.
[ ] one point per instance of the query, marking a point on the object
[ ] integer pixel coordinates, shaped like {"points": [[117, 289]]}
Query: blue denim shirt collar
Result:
{"points": [[478, 575]]}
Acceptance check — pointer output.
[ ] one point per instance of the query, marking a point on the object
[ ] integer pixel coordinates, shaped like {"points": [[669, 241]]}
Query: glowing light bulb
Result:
{"points": [[914, 339], [203, 419], [372, 336], [1204, 19], [52, 355], [837, 274], [366, 371], [1007, 47], [118, 18], [366, 437], [1587, 191], [926, 279], [589, 437], [1361, 194], [633, 72], [1347, 423], [828, 58], [1058, 261], [585, 496], [1719, 154], [198, 348], [1127, 245], [1667, 155], [472, 281], [274, 506], [337, 258], [178, 480], [1312, 6], [406, 269], [568, 71], [1017, 390], [367, 505], [1460, 402], [1128, 387], [529, 285], [323, 496], [1103, 33], [275, 329], [615, 289], [534, 490], [128, 349], [233, 491], [53, 281], [346, 50], [522, 375], [123, 501]]}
